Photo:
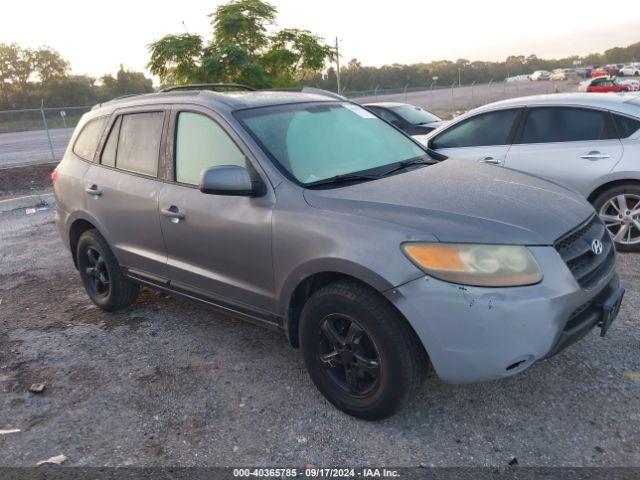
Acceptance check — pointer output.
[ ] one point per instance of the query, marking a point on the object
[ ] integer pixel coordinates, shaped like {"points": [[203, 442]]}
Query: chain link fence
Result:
{"points": [[36, 135], [42, 134], [447, 101]]}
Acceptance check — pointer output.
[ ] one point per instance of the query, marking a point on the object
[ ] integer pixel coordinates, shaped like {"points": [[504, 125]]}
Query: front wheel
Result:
{"points": [[359, 351], [619, 209]]}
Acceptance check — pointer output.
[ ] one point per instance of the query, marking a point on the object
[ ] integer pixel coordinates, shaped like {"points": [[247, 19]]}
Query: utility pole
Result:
{"points": [[338, 65], [459, 76]]}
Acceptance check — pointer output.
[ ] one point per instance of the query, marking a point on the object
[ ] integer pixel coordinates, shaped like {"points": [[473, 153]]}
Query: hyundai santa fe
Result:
{"points": [[306, 212]]}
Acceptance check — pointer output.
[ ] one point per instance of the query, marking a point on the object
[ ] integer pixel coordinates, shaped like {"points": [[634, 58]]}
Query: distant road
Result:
{"points": [[443, 101], [22, 148]]}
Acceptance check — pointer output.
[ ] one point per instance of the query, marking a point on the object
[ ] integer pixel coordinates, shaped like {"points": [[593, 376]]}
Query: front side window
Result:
{"points": [[563, 124], [88, 139], [485, 129], [138, 143], [201, 143], [317, 141]]}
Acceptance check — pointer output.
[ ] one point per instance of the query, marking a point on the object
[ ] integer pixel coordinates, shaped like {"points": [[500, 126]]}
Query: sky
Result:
{"points": [[96, 37]]}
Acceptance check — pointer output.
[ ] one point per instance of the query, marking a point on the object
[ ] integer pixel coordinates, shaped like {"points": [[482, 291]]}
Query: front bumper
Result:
{"points": [[474, 334]]}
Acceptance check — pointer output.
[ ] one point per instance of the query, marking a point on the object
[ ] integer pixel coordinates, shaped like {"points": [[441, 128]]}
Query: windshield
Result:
{"points": [[317, 141], [415, 115]]}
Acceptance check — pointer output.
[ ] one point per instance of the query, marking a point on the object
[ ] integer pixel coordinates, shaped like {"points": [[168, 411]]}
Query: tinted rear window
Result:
{"points": [[87, 141], [562, 124], [626, 126]]}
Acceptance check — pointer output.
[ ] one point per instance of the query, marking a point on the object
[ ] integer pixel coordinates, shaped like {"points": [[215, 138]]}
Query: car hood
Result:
{"points": [[463, 201]]}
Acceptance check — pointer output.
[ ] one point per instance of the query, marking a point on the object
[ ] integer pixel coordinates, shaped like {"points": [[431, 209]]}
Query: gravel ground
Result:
{"points": [[27, 180], [170, 383]]}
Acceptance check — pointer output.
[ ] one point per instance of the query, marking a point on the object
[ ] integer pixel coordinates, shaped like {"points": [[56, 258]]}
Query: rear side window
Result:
{"points": [[134, 143], [201, 143], [87, 141], [626, 126], [491, 128], [562, 124], [110, 149]]}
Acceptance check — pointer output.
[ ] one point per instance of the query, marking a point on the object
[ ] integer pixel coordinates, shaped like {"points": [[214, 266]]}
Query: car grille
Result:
{"points": [[575, 249]]}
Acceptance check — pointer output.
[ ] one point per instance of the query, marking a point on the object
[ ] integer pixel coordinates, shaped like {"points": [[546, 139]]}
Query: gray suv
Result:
{"points": [[305, 212]]}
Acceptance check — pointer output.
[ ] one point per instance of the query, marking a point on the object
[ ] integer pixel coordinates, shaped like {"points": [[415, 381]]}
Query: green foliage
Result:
{"points": [[174, 58], [356, 77], [29, 77], [241, 51]]}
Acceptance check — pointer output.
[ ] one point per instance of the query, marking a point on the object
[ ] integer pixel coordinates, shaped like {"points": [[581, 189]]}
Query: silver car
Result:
{"points": [[588, 142], [307, 213]]}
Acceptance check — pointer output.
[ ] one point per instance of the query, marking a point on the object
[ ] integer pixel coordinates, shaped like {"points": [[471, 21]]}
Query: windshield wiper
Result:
{"points": [[421, 160], [343, 178]]}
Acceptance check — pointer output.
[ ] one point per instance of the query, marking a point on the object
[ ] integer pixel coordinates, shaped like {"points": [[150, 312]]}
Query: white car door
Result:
{"points": [[483, 137], [574, 146]]}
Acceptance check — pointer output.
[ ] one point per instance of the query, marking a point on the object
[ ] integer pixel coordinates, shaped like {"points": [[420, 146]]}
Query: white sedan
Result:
{"points": [[588, 142]]}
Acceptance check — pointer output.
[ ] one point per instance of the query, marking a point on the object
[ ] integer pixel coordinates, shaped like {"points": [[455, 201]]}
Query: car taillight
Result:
{"points": [[54, 175]]}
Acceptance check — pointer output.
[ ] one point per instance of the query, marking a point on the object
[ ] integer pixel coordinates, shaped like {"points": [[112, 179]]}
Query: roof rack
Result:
{"points": [[207, 86]]}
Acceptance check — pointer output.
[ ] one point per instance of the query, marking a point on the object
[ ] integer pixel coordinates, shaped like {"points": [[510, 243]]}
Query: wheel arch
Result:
{"points": [[299, 290], [612, 184], [76, 226]]}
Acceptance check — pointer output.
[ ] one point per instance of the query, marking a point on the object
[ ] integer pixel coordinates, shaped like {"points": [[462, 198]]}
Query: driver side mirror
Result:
{"points": [[230, 180]]}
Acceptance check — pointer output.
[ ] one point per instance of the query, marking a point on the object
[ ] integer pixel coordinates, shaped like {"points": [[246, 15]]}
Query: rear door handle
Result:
{"points": [[173, 213], [491, 161], [595, 155], [93, 190]]}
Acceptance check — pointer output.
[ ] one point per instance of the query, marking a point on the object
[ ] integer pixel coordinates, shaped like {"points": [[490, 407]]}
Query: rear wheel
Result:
{"points": [[359, 351], [619, 209], [101, 274]]}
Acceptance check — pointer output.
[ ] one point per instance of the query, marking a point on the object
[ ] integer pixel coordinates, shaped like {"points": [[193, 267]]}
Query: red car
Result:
{"points": [[606, 84], [609, 71]]}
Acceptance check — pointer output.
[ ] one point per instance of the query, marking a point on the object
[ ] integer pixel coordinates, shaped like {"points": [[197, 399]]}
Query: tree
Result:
{"points": [[176, 58], [241, 51], [48, 64], [29, 77], [125, 82]]}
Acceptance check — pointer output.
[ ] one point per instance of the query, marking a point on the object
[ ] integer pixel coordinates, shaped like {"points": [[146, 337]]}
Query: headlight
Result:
{"points": [[479, 265]]}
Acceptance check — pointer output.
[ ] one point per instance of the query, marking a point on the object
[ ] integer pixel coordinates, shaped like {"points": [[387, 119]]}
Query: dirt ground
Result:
{"points": [[166, 382], [18, 181]]}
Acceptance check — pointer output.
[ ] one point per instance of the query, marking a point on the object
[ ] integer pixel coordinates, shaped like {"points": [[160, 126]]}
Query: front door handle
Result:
{"points": [[173, 213], [595, 155], [93, 190], [491, 161]]}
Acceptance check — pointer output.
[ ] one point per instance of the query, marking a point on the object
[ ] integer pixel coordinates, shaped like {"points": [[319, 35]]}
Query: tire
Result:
{"points": [[607, 205], [385, 339], [101, 274]]}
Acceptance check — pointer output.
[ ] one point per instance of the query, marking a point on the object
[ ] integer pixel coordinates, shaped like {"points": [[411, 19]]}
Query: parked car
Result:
{"points": [[606, 71], [631, 70], [590, 143], [540, 75], [632, 83], [412, 120], [563, 74], [306, 212], [584, 72], [604, 85]]}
